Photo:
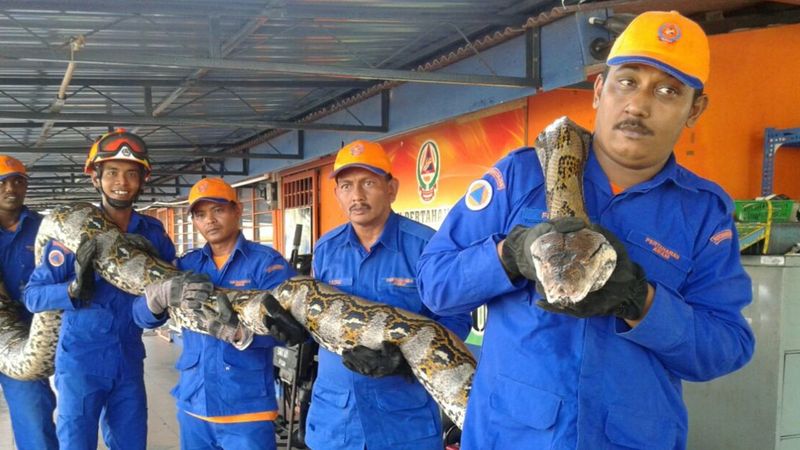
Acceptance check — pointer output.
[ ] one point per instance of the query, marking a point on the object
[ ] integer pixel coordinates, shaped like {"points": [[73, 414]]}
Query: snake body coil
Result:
{"points": [[337, 321], [569, 265]]}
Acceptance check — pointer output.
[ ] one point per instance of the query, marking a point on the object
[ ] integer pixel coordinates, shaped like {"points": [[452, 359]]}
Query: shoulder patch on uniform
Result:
{"points": [[275, 267], [494, 172], [239, 283], [723, 235], [55, 257], [479, 194], [400, 282]]}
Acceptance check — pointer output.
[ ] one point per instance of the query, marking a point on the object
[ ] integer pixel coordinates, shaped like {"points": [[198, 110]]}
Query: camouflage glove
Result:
{"points": [[281, 324], [388, 360], [624, 295], [219, 320], [82, 287], [517, 258], [182, 290]]}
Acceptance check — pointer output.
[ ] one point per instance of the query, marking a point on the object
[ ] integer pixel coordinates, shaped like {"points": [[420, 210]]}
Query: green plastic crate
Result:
{"points": [[758, 210]]}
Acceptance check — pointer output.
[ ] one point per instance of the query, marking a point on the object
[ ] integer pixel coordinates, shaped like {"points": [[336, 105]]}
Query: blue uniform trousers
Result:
{"points": [[81, 407], [198, 434], [31, 405]]}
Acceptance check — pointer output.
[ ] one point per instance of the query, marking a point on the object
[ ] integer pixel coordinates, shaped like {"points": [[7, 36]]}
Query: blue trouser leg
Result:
{"points": [[124, 418], [31, 405], [84, 398], [198, 434], [80, 399]]}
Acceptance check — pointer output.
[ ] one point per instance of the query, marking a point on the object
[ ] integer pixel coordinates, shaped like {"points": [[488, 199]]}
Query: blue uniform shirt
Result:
{"points": [[553, 381], [16, 253], [216, 379], [100, 338], [348, 410]]}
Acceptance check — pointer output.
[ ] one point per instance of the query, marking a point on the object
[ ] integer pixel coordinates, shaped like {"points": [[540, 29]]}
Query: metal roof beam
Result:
{"points": [[109, 119], [216, 51], [386, 13], [47, 185], [177, 8], [105, 58], [155, 173], [189, 154], [174, 82]]}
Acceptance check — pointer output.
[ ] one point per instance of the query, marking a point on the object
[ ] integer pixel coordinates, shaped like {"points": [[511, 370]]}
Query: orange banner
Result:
{"points": [[436, 165]]}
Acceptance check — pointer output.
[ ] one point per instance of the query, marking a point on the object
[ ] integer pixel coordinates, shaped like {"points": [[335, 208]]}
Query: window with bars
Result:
{"points": [[184, 235], [298, 199], [256, 218], [298, 192]]}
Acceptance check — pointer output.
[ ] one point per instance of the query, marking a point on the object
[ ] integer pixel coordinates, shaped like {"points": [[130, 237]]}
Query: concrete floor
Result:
{"points": [[160, 377]]}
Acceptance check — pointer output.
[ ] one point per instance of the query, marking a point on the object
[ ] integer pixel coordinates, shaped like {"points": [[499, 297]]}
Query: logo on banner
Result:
{"points": [[428, 170]]}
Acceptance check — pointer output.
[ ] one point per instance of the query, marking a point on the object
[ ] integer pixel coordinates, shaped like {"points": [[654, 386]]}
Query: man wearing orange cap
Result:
{"points": [[30, 403], [100, 354], [372, 256], [605, 372], [226, 393]]}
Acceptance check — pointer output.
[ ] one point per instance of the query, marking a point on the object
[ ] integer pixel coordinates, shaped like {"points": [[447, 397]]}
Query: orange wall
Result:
{"points": [[753, 85], [544, 108], [330, 214]]}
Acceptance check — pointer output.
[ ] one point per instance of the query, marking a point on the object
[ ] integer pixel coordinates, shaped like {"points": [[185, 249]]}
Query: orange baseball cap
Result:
{"points": [[364, 154], [667, 41], [213, 190], [10, 166]]}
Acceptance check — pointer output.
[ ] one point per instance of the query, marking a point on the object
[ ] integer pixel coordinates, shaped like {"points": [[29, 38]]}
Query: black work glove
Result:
{"points": [[142, 243], [82, 287], [388, 360], [185, 290], [624, 295], [281, 324], [517, 258]]}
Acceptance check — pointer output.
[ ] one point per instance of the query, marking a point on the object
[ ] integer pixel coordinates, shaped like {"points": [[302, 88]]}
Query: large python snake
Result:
{"points": [[337, 321], [569, 265], [439, 359]]}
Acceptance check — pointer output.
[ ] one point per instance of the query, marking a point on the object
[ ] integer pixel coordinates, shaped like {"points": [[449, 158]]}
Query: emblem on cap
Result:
{"points": [[669, 33], [356, 149], [126, 151], [428, 170], [203, 186]]}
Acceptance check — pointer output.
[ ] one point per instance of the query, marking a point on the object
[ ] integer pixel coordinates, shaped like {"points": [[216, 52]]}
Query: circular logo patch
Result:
{"points": [[357, 149], [55, 258], [669, 33], [479, 194]]}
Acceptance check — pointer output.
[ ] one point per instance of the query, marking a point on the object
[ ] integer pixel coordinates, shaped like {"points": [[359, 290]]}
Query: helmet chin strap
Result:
{"points": [[118, 204]]}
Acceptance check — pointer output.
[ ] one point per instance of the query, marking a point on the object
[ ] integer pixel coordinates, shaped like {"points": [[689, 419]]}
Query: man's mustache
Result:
{"points": [[360, 206], [633, 125]]}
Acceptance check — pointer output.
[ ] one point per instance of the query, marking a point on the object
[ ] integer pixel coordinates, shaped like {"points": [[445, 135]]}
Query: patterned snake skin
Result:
{"points": [[20, 357], [439, 359], [27, 353], [569, 265], [337, 321]]}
